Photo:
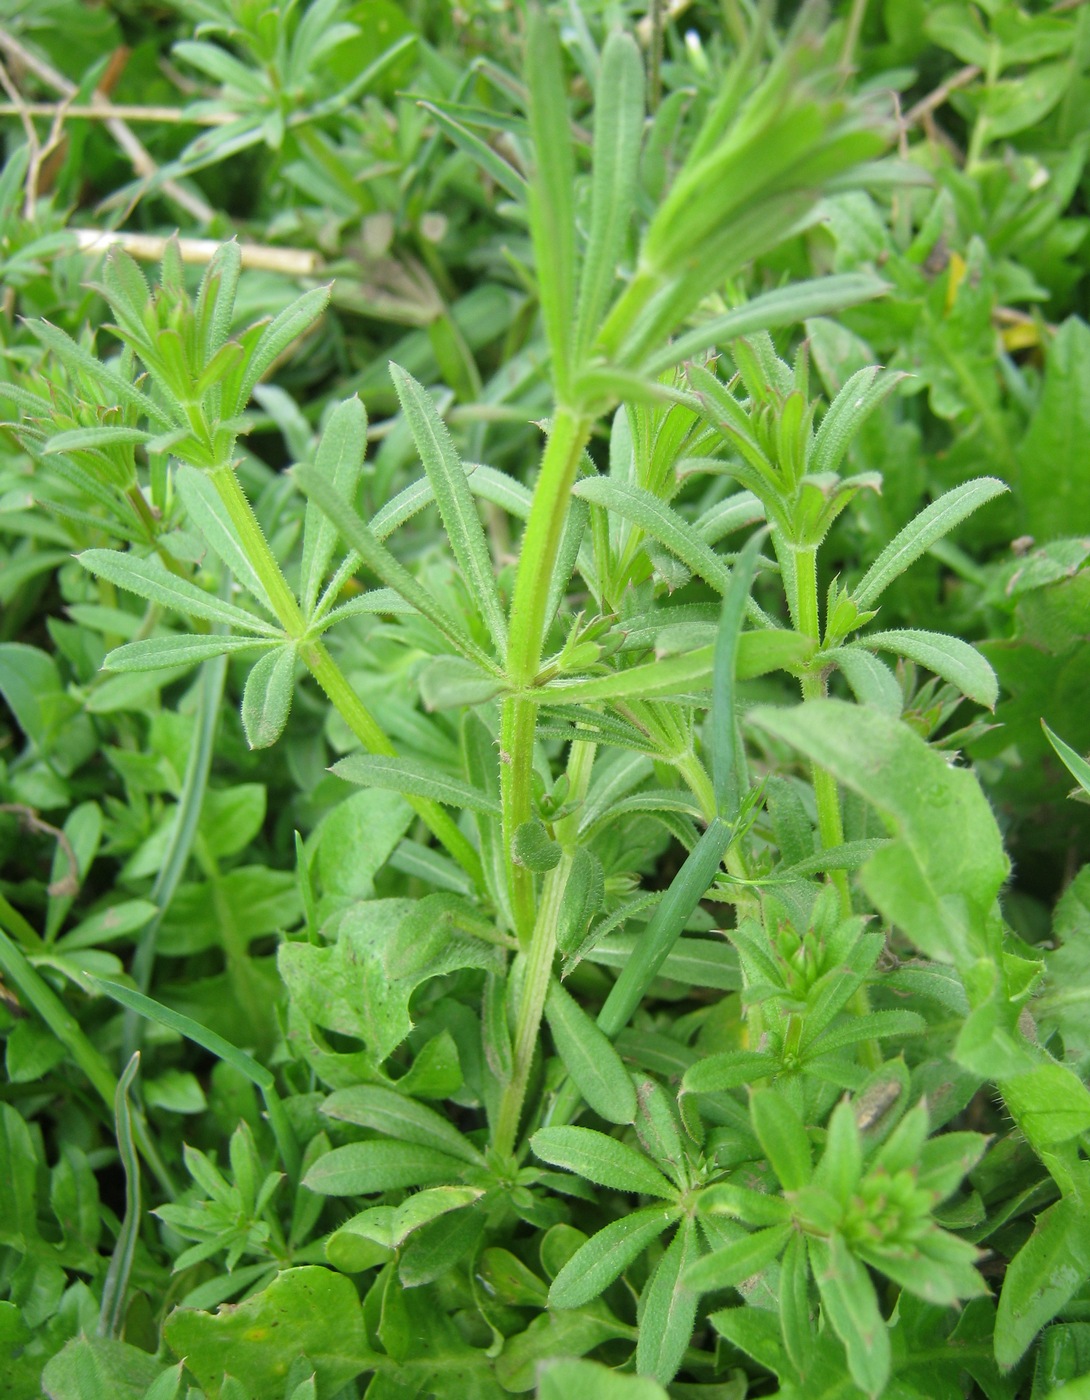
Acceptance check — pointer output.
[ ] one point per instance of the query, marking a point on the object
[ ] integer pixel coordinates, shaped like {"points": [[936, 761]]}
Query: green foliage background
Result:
{"points": [[430, 923]]}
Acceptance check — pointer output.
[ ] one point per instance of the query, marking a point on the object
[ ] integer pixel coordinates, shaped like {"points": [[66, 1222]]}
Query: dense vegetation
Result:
{"points": [[543, 693]]}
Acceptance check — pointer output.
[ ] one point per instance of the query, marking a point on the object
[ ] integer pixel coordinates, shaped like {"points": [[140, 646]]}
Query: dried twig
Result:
{"points": [[134, 149], [926, 105], [38, 151], [294, 262], [119, 111], [68, 884], [645, 29]]}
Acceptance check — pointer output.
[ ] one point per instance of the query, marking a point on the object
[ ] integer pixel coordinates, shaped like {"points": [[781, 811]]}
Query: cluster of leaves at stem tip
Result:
{"points": [[797, 1190]]}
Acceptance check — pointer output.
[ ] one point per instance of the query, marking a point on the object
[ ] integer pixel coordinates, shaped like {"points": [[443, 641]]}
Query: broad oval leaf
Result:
{"points": [[266, 699]]}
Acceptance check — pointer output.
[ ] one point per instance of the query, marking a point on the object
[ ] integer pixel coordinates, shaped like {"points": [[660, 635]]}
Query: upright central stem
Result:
{"points": [[830, 825], [528, 625], [808, 621]]}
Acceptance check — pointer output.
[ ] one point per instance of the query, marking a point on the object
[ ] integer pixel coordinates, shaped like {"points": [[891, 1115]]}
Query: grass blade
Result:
{"points": [[685, 893], [215, 1044], [116, 1283]]}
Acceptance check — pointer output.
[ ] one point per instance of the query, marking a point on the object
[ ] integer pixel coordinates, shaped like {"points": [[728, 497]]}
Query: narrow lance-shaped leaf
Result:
{"points": [[917, 537], [155, 653], [339, 458], [292, 322], [782, 1135], [1042, 1277], [728, 774], [594, 1265], [617, 132], [786, 306], [856, 401], [416, 778], [1075, 764], [590, 1059], [655, 518], [871, 681], [949, 657], [758, 653], [380, 561], [364, 1168], [601, 1159], [147, 578], [208, 517], [668, 1309], [851, 1307], [455, 501], [731, 1265], [794, 1300], [395, 1115], [494, 166]]}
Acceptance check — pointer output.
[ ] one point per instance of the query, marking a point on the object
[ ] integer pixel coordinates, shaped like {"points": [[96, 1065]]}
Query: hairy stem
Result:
{"points": [[528, 625], [830, 826]]}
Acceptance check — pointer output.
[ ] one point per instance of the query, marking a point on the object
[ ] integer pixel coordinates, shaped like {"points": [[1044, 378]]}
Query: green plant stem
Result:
{"points": [[851, 36], [535, 986], [38, 994], [325, 670], [528, 625], [808, 622], [830, 824], [539, 960]]}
